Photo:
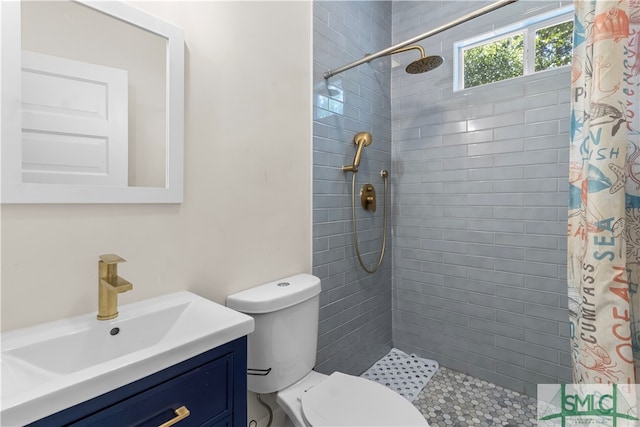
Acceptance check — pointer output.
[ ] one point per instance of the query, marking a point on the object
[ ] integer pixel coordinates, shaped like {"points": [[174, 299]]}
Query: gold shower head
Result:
{"points": [[424, 63]]}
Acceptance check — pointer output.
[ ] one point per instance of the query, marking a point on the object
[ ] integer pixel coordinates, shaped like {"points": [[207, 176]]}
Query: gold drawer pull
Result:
{"points": [[181, 413]]}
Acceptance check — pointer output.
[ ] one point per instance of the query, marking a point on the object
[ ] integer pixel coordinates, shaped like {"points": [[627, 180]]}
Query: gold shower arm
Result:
{"points": [[405, 49]]}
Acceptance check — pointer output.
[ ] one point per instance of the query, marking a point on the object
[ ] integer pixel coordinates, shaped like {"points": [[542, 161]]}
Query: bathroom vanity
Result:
{"points": [[177, 358], [211, 386]]}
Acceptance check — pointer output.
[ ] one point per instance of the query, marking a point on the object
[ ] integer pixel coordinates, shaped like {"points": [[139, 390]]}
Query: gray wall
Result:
{"points": [[355, 308], [480, 207]]}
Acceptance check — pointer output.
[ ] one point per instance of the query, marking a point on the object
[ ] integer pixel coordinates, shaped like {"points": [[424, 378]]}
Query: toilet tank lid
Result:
{"points": [[275, 295]]}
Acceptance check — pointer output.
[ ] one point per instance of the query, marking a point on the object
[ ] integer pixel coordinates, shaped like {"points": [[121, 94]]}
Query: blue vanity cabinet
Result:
{"points": [[212, 386]]}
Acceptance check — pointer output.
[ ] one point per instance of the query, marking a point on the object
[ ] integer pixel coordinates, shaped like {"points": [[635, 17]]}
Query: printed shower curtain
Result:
{"points": [[604, 207]]}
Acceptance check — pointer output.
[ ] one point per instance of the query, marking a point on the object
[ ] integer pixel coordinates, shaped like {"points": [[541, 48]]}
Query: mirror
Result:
{"points": [[92, 104]]}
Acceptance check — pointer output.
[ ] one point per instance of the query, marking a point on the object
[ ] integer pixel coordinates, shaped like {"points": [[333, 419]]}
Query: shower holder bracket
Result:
{"points": [[368, 197]]}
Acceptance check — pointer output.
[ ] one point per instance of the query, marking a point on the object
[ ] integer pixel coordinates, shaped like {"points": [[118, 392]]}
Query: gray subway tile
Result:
{"points": [[496, 199], [530, 213], [470, 335], [435, 288], [497, 328], [546, 312], [468, 260], [496, 121], [546, 142], [552, 257], [444, 246], [469, 285], [466, 163], [471, 359], [528, 158], [496, 303], [504, 226], [547, 368], [546, 227], [534, 323], [500, 354], [526, 186], [465, 138], [552, 341], [526, 348], [528, 296], [512, 279], [524, 374], [525, 103], [529, 268], [546, 199], [468, 212], [528, 241], [547, 284], [468, 236], [547, 171], [496, 147], [471, 310], [497, 173], [544, 114]]}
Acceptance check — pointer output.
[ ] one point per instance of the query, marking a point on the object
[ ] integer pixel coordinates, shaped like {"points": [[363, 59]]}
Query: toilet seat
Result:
{"points": [[345, 400]]}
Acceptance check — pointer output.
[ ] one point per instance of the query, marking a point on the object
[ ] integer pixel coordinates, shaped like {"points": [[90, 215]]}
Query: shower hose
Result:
{"points": [[385, 176]]}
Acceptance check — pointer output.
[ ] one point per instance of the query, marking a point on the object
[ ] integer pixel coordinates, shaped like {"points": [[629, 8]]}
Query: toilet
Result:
{"points": [[281, 354]]}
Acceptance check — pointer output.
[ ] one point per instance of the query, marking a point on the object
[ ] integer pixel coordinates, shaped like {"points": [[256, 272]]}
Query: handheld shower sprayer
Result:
{"points": [[367, 199], [362, 139]]}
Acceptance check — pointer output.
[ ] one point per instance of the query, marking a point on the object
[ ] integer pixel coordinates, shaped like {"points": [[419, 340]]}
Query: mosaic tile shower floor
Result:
{"points": [[455, 399]]}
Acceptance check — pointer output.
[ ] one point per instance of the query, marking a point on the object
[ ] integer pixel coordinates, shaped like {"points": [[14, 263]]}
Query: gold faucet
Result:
{"points": [[109, 286]]}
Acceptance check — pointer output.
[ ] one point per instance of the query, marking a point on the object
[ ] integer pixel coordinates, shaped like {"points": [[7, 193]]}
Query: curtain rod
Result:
{"points": [[440, 29]]}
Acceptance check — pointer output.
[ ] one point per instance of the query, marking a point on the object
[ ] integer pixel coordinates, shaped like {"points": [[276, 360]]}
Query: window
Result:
{"points": [[536, 44]]}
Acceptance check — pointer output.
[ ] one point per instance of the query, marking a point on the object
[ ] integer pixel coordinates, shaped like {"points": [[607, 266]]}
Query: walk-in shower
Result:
{"points": [[474, 272]]}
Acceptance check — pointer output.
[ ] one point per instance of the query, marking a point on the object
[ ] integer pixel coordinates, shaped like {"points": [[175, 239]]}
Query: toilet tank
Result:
{"points": [[282, 348]]}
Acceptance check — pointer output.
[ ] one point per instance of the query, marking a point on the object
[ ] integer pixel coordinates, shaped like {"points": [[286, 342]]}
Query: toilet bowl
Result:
{"points": [[344, 400], [281, 353]]}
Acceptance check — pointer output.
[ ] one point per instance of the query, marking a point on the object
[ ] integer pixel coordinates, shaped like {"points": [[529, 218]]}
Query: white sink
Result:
{"points": [[53, 366]]}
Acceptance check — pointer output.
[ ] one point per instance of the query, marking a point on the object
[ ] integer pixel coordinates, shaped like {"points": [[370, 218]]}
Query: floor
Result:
{"points": [[455, 399]]}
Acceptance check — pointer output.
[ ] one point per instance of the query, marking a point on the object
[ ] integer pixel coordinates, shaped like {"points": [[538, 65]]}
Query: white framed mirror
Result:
{"points": [[92, 107]]}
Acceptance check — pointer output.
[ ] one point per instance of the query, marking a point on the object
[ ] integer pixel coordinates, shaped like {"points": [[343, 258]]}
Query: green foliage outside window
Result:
{"points": [[495, 61], [554, 46], [503, 59]]}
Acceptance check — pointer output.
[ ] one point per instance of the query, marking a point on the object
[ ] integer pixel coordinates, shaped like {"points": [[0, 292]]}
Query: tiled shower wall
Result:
{"points": [[480, 208], [355, 307]]}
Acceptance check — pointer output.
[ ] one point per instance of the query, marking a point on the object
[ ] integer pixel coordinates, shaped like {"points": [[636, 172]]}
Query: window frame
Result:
{"points": [[527, 27]]}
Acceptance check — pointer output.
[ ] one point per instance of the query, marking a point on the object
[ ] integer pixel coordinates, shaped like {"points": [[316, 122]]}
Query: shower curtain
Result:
{"points": [[604, 200]]}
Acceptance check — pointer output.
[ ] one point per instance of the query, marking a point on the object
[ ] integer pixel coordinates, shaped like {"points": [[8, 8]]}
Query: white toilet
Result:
{"points": [[282, 354]]}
